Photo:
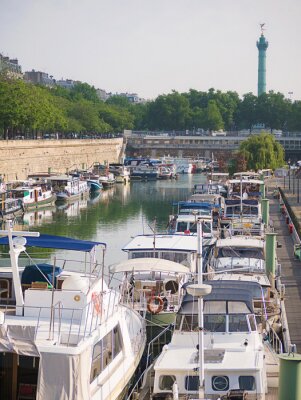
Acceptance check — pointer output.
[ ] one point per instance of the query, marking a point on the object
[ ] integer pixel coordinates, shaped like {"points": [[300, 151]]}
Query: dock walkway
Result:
{"points": [[290, 266]]}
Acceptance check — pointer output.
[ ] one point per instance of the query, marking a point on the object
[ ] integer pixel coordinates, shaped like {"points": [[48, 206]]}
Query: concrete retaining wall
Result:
{"points": [[20, 158]]}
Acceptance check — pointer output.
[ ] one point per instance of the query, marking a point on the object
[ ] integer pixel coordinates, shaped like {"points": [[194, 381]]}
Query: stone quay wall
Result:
{"points": [[19, 158]]}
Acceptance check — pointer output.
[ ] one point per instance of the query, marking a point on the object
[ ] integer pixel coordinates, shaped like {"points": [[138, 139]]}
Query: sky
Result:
{"points": [[151, 47]]}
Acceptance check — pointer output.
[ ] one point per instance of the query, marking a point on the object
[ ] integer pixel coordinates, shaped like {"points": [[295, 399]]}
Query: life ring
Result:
{"points": [[154, 308], [96, 303]]}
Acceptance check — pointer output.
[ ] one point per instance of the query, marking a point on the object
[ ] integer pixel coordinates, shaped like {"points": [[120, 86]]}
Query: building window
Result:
{"points": [[220, 383], [246, 382]]}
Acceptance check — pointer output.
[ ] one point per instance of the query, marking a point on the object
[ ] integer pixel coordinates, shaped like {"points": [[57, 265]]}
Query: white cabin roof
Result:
{"points": [[149, 264], [163, 242], [247, 181], [262, 279], [240, 241]]}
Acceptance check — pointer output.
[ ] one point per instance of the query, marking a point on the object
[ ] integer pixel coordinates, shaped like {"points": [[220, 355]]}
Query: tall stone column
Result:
{"points": [[262, 46]]}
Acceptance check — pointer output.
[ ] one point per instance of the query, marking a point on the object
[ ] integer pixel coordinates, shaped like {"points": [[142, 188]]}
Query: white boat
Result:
{"points": [[183, 165], [243, 259], [153, 286], [64, 335], [107, 180], [239, 252], [234, 359], [10, 207], [178, 248], [245, 188], [34, 196], [69, 187], [121, 172]]}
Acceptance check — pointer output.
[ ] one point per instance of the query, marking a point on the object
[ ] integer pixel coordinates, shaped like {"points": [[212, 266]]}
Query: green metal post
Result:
{"points": [[262, 46], [290, 377], [265, 204], [270, 253]]}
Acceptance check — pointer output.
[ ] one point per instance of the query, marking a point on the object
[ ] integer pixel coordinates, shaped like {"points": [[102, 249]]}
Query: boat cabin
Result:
{"points": [[242, 253], [233, 350], [178, 248]]}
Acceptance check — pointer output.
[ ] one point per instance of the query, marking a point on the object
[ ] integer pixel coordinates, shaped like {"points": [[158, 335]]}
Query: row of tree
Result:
{"points": [[215, 110], [29, 109]]}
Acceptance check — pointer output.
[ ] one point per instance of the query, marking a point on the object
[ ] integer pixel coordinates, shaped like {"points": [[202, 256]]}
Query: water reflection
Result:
{"points": [[114, 215], [39, 217]]}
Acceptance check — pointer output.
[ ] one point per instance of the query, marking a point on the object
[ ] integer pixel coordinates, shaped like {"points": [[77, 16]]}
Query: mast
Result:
{"points": [[16, 246], [200, 290]]}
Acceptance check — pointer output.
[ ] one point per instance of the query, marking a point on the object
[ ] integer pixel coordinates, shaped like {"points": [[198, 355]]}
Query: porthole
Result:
{"points": [[220, 383]]}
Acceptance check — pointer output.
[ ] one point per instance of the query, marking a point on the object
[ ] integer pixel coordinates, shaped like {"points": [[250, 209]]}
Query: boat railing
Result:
{"points": [[150, 357], [274, 339], [67, 326], [139, 299]]}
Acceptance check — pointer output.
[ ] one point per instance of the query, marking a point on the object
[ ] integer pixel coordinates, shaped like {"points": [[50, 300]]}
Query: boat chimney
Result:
{"points": [[290, 376]]}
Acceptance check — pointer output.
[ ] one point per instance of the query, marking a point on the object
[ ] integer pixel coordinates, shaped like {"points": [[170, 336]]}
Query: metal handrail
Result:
{"points": [[148, 363], [274, 339]]}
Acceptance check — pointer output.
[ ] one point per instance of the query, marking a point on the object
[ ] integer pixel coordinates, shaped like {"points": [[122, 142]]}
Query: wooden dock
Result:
{"points": [[290, 269]]}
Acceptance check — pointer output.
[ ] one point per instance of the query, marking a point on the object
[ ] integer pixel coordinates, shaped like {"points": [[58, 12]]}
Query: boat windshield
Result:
{"points": [[178, 257], [217, 323], [241, 252], [236, 210], [219, 316], [182, 226]]}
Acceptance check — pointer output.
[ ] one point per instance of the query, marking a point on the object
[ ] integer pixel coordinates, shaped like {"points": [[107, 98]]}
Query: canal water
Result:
{"points": [[114, 216]]}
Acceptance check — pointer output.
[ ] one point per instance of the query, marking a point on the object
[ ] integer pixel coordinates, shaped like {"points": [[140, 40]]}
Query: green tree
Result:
{"points": [[262, 151], [169, 112], [213, 118]]}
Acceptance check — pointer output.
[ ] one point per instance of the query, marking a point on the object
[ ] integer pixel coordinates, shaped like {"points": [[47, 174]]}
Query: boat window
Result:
{"points": [[237, 307], [117, 344], [252, 322], [215, 307], [105, 351], [181, 226], [190, 322], [220, 383], [241, 252], [145, 254], [215, 322], [238, 323], [166, 382], [246, 382], [192, 383], [174, 256]]}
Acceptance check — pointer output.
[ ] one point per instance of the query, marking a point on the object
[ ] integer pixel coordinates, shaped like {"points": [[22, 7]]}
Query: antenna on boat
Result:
{"points": [[16, 246], [200, 290]]}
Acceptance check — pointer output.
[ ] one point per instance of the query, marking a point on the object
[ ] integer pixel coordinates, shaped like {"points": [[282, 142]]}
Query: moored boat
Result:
{"points": [[34, 196], [69, 187], [65, 333]]}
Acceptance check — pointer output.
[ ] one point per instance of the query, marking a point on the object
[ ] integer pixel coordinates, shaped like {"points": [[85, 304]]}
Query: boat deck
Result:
{"points": [[290, 271]]}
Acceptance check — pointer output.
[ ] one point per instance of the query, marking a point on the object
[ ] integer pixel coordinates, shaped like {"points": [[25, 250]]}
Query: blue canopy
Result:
{"points": [[57, 242]]}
